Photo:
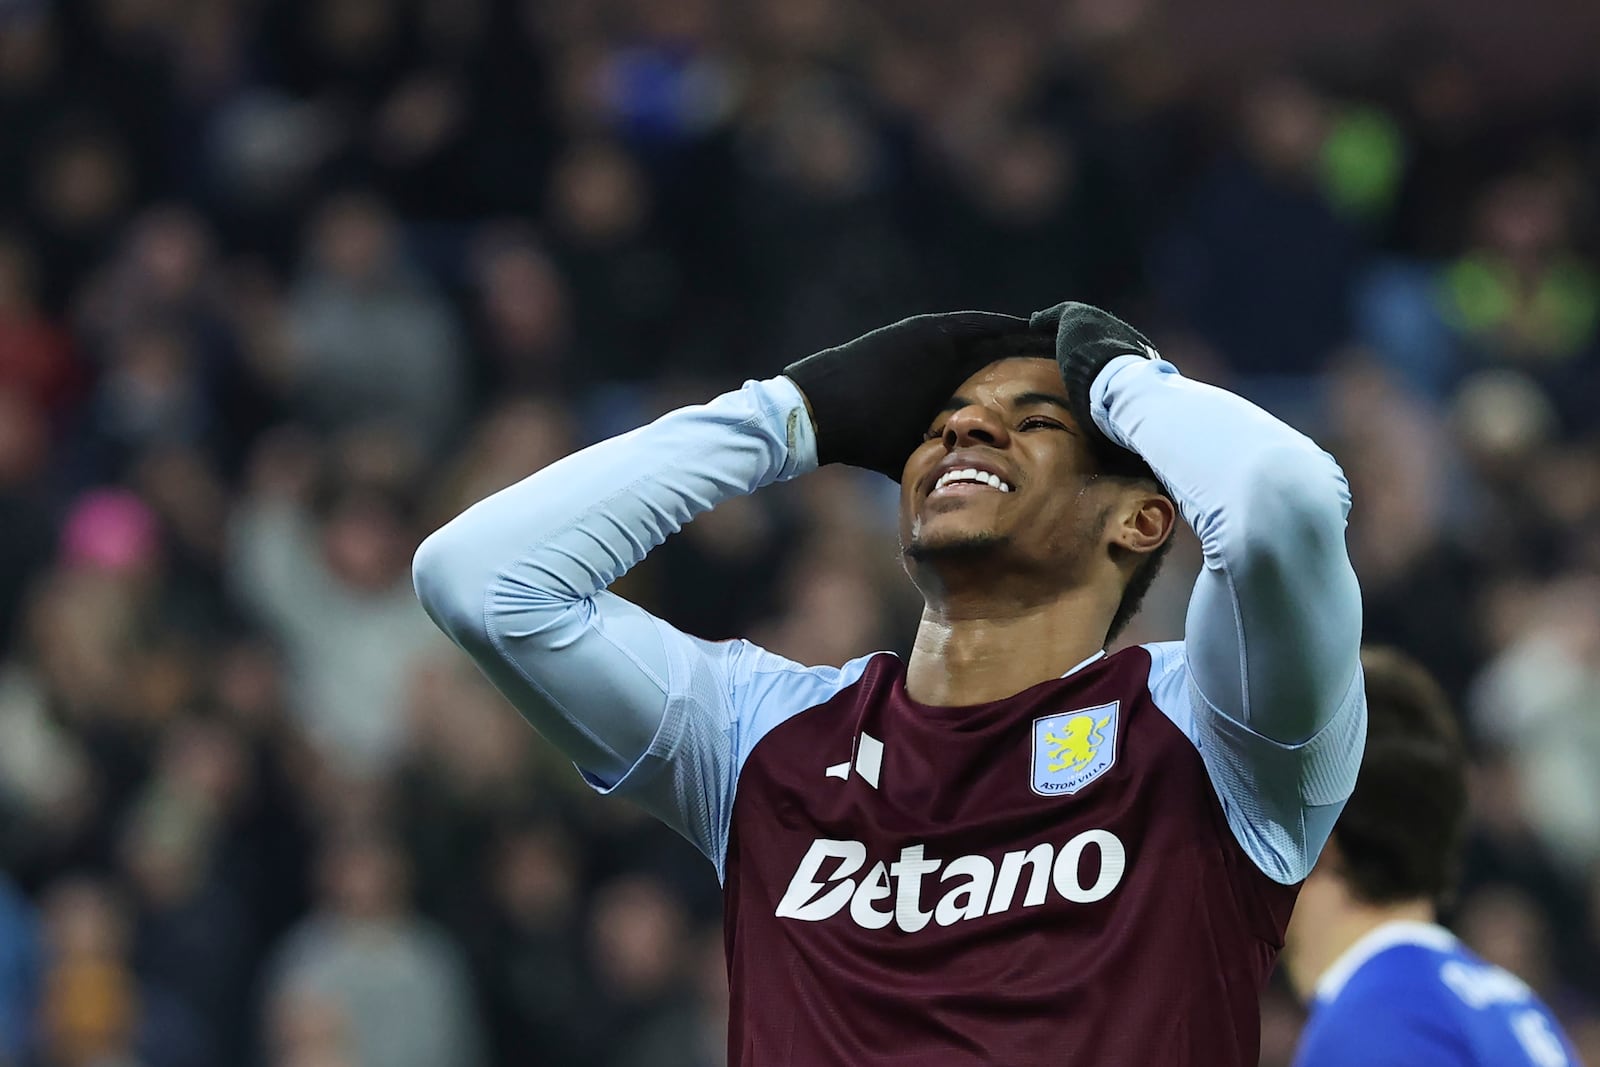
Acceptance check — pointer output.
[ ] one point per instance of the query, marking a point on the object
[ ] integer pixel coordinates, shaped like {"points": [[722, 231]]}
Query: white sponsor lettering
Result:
{"points": [[908, 874], [1538, 1039], [850, 854], [1038, 858], [874, 887], [965, 901], [1482, 986], [1069, 866], [971, 886]]}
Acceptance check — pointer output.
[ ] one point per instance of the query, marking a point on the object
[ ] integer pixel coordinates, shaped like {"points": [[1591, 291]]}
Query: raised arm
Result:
{"points": [[1273, 637], [1274, 628], [518, 582]]}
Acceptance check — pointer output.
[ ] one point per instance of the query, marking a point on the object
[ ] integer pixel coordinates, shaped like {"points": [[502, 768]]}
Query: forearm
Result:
{"points": [[572, 529], [1275, 623], [514, 580]]}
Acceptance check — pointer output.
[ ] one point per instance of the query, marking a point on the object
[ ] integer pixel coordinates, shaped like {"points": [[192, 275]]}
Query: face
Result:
{"points": [[365, 879], [364, 544], [1010, 422]]}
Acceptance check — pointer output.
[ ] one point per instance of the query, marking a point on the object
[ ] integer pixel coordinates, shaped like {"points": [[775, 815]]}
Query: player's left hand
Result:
{"points": [[1088, 338]]}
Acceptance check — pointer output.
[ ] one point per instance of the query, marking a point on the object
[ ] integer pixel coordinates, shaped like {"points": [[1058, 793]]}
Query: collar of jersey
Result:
{"points": [[967, 715], [1098, 655], [1376, 941]]}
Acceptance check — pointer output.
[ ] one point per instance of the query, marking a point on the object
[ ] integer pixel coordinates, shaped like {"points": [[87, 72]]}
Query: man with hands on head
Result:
{"points": [[1010, 847]]}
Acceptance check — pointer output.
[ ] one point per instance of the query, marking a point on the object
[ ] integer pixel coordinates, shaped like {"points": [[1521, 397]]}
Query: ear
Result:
{"points": [[1146, 520]]}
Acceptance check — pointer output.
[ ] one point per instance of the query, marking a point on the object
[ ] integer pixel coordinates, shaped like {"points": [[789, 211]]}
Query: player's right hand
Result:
{"points": [[872, 398]]}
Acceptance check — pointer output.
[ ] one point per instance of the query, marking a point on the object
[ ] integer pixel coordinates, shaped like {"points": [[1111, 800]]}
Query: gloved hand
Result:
{"points": [[1086, 340], [873, 398]]}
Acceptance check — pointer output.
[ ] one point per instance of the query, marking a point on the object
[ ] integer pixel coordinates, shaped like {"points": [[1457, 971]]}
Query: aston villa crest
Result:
{"points": [[1073, 748]]}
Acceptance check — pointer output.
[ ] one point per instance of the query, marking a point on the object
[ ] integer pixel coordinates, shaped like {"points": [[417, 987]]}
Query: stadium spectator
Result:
{"points": [[371, 339], [529, 952], [93, 1007], [37, 358], [1271, 293], [19, 977], [399, 984], [329, 577], [1539, 702]]}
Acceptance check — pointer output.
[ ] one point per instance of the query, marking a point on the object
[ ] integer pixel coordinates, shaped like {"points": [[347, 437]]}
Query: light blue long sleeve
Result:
{"points": [[1272, 692], [512, 579], [518, 581]]}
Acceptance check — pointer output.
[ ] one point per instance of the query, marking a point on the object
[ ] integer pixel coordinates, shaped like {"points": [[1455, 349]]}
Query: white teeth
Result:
{"points": [[972, 474]]}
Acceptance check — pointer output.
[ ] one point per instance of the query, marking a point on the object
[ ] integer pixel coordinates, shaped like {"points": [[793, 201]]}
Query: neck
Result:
{"points": [[1320, 940], [971, 651]]}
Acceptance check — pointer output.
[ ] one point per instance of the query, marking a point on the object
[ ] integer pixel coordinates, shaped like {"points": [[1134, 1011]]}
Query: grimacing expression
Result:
{"points": [[1010, 423]]}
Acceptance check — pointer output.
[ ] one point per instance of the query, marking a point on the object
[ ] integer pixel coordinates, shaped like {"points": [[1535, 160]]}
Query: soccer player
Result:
{"points": [[1388, 986], [1009, 848]]}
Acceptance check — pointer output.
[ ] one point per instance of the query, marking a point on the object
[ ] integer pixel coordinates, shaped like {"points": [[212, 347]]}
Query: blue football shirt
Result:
{"points": [[1410, 994]]}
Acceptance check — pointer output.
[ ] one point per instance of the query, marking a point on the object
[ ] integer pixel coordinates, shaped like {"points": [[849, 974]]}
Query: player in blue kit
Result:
{"points": [[1387, 986]]}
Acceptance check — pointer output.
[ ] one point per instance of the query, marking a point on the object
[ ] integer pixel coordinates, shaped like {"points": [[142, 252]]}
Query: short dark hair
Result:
{"points": [[1401, 834]]}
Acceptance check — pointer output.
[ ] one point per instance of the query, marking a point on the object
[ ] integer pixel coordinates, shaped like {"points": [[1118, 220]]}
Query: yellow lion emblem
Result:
{"points": [[1079, 740]]}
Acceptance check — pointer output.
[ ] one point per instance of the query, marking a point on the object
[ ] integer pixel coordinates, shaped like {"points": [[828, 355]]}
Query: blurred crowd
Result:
{"points": [[284, 285]]}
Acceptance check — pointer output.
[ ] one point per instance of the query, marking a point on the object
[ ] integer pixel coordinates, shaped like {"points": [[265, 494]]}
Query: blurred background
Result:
{"points": [[285, 284]]}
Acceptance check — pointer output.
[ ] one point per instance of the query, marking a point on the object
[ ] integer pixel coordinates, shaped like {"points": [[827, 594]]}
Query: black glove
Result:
{"points": [[873, 398], [1086, 340]]}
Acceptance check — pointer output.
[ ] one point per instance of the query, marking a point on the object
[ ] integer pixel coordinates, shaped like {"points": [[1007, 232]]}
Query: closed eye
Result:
{"points": [[933, 434], [1040, 422]]}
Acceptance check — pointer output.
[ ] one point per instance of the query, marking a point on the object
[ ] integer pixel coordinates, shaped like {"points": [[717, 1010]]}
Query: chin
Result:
{"points": [[954, 544]]}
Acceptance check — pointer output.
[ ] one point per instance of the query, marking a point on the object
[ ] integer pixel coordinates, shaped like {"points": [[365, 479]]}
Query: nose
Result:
{"points": [[975, 424]]}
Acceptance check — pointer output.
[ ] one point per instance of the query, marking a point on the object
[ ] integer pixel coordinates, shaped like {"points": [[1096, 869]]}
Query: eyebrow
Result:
{"points": [[1021, 400]]}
